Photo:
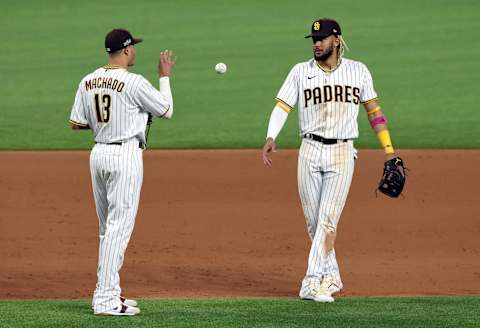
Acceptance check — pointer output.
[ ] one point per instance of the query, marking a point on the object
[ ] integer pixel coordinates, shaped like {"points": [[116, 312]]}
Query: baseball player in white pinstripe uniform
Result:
{"points": [[327, 90], [116, 105]]}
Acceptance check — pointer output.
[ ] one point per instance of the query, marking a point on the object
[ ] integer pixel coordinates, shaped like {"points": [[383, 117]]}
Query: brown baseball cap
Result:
{"points": [[324, 27], [118, 39]]}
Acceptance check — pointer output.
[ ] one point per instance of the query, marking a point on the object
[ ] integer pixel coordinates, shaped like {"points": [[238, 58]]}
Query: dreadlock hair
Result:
{"points": [[341, 48]]}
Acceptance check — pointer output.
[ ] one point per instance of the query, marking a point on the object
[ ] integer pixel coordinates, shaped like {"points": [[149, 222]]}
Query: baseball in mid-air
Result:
{"points": [[220, 68]]}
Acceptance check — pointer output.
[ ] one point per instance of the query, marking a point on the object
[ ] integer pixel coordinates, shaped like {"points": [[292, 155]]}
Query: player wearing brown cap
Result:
{"points": [[116, 105], [327, 90]]}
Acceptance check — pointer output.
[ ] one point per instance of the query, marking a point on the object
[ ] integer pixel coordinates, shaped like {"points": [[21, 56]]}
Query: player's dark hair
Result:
{"points": [[115, 53]]}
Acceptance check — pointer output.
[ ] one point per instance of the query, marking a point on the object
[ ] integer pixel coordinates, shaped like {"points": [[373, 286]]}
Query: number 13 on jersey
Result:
{"points": [[102, 107]]}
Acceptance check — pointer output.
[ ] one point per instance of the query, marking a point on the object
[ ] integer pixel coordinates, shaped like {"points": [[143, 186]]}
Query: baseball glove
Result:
{"points": [[393, 179]]}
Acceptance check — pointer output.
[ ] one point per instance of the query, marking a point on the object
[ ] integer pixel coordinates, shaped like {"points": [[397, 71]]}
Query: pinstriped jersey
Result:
{"points": [[115, 104], [328, 102]]}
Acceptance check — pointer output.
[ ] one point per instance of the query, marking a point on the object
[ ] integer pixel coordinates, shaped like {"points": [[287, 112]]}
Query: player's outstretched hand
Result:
{"points": [[166, 62], [270, 146]]}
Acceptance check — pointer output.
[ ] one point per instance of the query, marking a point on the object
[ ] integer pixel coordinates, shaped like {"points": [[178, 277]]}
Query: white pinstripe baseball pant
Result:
{"points": [[117, 174], [324, 177]]}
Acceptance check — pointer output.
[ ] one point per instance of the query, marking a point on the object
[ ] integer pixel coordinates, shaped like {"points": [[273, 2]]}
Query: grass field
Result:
{"points": [[345, 312], [422, 55]]}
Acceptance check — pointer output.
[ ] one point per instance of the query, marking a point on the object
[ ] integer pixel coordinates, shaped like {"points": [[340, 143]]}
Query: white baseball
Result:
{"points": [[220, 68]]}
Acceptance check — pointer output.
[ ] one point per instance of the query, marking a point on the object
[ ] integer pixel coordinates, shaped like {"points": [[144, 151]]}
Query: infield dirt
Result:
{"points": [[220, 224]]}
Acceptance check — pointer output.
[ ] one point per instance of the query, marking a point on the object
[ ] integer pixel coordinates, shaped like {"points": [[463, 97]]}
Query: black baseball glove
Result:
{"points": [[393, 179]]}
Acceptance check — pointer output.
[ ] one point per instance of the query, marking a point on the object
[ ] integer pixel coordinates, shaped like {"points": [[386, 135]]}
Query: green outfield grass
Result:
{"points": [[423, 56], [345, 312]]}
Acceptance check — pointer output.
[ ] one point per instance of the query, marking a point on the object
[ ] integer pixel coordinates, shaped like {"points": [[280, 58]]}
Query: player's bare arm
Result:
{"points": [[269, 147], [378, 122]]}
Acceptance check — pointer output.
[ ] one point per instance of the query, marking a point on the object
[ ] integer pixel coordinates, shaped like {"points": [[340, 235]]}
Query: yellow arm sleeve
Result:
{"points": [[384, 138]]}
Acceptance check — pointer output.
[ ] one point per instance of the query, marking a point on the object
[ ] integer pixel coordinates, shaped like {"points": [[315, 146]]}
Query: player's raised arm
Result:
{"points": [[165, 65], [378, 122], [159, 102]]}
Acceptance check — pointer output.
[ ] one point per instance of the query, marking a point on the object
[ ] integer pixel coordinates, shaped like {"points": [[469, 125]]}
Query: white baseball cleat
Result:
{"points": [[317, 291], [121, 310], [323, 298], [128, 302], [332, 285]]}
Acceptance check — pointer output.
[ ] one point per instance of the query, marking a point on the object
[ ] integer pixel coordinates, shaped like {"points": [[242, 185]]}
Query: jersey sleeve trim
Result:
{"points": [[283, 107], [370, 100], [164, 114], [288, 107], [78, 123]]}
